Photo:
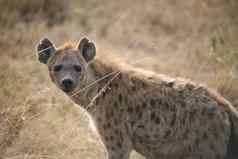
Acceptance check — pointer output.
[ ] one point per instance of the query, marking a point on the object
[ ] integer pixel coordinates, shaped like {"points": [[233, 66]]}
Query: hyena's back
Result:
{"points": [[182, 120]]}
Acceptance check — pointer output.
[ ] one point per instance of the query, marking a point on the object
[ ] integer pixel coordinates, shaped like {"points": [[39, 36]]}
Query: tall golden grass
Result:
{"points": [[14, 11]]}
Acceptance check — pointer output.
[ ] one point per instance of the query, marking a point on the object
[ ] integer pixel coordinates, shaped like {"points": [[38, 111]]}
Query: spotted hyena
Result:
{"points": [[133, 109]]}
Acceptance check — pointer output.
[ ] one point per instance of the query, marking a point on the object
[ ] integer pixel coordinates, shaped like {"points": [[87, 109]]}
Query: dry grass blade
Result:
{"points": [[48, 48], [102, 90], [107, 84], [107, 75], [93, 83]]}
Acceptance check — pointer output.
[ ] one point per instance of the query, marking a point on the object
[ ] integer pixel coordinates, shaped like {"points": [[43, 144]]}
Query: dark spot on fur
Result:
{"points": [[107, 125], [137, 108], [112, 148], [143, 85], [152, 116], [167, 133], [116, 122], [130, 110], [159, 101], [127, 129], [140, 141], [203, 111], [121, 155], [115, 104], [192, 115], [126, 100], [111, 138], [205, 136], [183, 105], [112, 113], [140, 115], [120, 98], [144, 105], [106, 138], [121, 137], [152, 102], [116, 85], [116, 132], [109, 114], [173, 119], [99, 119], [216, 134], [185, 135], [119, 145], [190, 148], [97, 101], [165, 105], [169, 106], [218, 156], [133, 88], [141, 127], [197, 141], [132, 123], [146, 136], [156, 136], [212, 147], [157, 120], [103, 94]]}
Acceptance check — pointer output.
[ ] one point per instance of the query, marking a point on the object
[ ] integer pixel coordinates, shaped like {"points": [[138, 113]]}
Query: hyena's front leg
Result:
{"points": [[117, 144], [118, 153]]}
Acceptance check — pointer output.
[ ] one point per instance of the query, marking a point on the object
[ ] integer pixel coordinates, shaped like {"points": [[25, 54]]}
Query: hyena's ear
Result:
{"points": [[87, 49], [45, 49]]}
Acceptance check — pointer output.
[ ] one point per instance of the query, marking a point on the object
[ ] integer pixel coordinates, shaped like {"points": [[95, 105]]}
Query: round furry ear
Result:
{"points": [[45, 49], [87, 49]]}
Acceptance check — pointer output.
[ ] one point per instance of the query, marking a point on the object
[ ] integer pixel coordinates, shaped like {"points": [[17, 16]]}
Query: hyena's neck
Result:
{"points": [[100, 74]]}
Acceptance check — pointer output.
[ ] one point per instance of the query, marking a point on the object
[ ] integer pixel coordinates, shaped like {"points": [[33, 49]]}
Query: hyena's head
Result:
{"points": [[68, 65]]}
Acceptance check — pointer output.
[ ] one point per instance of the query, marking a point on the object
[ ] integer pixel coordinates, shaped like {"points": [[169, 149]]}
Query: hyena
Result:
{"points": [[133, 109]]}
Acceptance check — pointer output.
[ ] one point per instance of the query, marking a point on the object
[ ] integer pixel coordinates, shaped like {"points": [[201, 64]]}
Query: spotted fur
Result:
{"points": [[157, 116]]}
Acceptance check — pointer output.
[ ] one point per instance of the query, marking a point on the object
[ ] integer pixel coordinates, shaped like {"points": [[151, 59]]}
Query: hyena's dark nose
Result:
{"points": [[67, 85]]}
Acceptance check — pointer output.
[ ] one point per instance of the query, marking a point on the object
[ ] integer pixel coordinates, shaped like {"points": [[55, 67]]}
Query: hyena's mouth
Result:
{"points": [[66, 90]]}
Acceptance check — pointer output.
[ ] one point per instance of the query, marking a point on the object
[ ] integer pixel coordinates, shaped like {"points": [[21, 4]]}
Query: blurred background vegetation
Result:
{"points": [[190, 38]]}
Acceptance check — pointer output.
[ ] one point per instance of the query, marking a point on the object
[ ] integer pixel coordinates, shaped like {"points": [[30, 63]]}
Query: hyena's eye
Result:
{"points": [[57, 68], [77, 68]]}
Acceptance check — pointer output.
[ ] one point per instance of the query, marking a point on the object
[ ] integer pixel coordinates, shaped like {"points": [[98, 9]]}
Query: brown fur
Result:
{"points": [[158, 116], [65, 46]]}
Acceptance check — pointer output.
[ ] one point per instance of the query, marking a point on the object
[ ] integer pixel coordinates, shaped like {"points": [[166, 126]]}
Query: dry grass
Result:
{"points": [[13, 11], [195, 39]]}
